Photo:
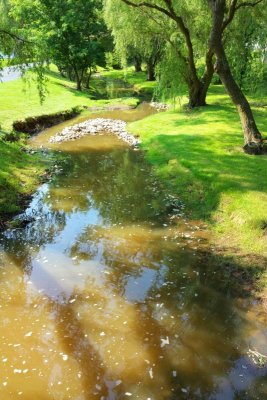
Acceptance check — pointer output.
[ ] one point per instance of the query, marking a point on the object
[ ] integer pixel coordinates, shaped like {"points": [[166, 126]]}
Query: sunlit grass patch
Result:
{"points": [[199, 156]]}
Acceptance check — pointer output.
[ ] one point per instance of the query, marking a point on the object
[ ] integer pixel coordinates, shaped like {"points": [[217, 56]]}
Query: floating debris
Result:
{"points": [[258, 359], [165, 342]]}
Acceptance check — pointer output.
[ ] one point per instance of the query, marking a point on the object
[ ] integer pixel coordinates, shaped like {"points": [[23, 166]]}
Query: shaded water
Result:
{"points": [[113, 88], [103, 296]]}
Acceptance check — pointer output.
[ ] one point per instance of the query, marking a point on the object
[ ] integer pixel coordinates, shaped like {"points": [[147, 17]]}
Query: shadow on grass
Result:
{"points": [[200, 168]]}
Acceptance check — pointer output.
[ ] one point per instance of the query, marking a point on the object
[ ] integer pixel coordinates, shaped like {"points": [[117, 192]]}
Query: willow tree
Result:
{"points": [[222, 15], [12, 44], [190, 42], [137, 38], [217, 16], [246, 48]]}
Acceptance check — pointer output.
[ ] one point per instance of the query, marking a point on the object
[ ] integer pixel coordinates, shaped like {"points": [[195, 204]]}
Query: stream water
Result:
{"points": [[104, 296]]}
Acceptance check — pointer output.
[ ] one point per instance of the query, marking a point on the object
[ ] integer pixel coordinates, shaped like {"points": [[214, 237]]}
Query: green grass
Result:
{"points": [[199, 156], [19, 175], [4, 62], [19, 99]]}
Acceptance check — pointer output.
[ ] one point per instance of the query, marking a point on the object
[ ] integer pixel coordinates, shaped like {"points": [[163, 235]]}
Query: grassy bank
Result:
{"points": [[199, 156], [19, 99], [20, 173]]}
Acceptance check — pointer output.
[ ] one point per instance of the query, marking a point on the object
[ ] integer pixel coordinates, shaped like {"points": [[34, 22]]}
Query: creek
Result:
{"points": [[106, 295]]}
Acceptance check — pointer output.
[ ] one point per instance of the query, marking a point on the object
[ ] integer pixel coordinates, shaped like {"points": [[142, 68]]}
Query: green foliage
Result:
{"points": [[12, 46], [171, 71], [136, 33], [246, 45], [70, 33]]}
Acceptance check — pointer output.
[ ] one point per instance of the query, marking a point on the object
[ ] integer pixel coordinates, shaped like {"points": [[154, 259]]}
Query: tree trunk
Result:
{"points": [[61, 71], [137, 64], [78, 78], [197, 95], [252, 137], [88, 79], [198, 88], [151, 71]]}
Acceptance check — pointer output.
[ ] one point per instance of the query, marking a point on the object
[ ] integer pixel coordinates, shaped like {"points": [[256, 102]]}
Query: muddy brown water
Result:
{"points": [[105, 296]]}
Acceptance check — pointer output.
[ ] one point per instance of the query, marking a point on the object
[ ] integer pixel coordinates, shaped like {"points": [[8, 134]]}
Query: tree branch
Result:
{"points": [[234, 7], [13, 36], [231, 14], [170, 12], [149, 5], [249, 4]]}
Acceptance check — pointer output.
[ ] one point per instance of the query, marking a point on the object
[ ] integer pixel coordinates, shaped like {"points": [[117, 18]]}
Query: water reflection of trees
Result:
{"points": [[22, 244], [120, 185]]}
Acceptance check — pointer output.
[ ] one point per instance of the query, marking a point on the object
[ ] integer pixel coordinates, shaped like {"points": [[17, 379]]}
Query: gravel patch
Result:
{"points": [[94, 127]]}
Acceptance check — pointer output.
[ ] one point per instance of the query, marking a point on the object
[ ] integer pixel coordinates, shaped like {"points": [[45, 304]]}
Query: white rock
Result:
{"points": [[94, 126]]}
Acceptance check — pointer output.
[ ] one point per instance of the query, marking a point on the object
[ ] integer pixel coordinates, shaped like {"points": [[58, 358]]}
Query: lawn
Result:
{"points": [[20, 99], [198, 154]]}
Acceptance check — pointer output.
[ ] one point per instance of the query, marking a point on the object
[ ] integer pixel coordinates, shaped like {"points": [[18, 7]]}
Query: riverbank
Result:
{"points": [[20, 174], [20, 100], [198, 154]]}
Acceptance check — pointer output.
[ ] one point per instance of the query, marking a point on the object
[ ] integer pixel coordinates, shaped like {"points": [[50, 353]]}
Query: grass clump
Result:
{"points": [[20, 173]]}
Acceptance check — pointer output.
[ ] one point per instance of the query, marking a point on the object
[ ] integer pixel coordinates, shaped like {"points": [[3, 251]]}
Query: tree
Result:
{"points": [[137, 38], [70, 33], [11, 43], [18, 49], [246, 46], [190, 24], [221, 18], [222, 14]]}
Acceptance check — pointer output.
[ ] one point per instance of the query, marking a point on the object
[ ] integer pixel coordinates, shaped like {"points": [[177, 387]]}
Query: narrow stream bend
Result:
{"points": [[103, 297]]}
